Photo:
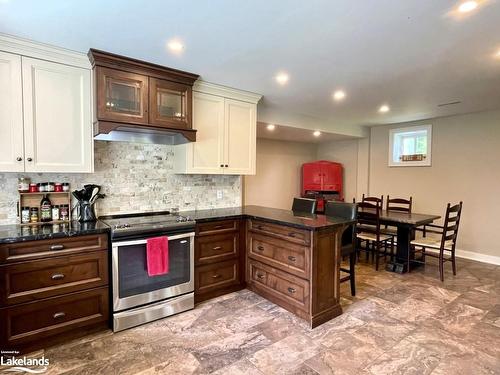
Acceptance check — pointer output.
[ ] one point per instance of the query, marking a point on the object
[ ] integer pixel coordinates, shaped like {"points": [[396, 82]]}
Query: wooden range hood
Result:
{"points": [[141, 102]]}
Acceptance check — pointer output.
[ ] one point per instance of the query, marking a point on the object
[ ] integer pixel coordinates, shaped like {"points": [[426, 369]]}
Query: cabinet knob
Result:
{"points": [[217, 248], [292, 234], [57, 276], [59, 315], [292, 258], [260, 276], [216, 276], [19, 158], [260, 248], [222, 165], [291, 290], [227, 165], [29, 159]]}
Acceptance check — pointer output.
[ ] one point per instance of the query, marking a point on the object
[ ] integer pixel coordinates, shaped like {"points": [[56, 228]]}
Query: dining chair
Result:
{"points": [[368, 230], [373, 200], [348, 242], [445, 242], [304, 205], [396, 205]]}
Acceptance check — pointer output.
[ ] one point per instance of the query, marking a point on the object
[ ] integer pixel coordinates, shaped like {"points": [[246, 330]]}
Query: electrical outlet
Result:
{"points": [[219, 194]]}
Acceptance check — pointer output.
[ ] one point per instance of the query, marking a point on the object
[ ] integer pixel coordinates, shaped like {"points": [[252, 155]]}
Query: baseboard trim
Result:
{"points": [[471, 255]]}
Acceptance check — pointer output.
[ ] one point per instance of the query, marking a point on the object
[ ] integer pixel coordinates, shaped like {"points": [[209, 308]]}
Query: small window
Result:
{"points": [[410, 146]]}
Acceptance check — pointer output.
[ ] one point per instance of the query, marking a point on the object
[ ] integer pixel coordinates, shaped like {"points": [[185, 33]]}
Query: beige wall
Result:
{"points": [[465, 166], [345, 152], [278, 176]]}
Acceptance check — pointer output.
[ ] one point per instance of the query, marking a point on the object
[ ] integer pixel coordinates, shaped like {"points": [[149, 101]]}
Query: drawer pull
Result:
{"points": [[292, 258], [259, 276], [260, 248], [57, 276], [219, 227], [59, 315], [292, 234], [217, 248], [56, 247], [215, 276], [260, 227], [291, 290]]}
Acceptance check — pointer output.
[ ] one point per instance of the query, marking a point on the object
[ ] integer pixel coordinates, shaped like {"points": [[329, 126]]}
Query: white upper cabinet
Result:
{"points": [[11, 114], [225, 120], [57, 117], [240, 137], [45, 108]]}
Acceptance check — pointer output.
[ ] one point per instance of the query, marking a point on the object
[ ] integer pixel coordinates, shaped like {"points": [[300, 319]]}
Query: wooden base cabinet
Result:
{"points": [[52, 290], [296, 269], [219, 258]]}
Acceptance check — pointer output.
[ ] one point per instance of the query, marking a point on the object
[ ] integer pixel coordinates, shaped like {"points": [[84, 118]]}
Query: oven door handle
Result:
{"points": [[143, 241]]}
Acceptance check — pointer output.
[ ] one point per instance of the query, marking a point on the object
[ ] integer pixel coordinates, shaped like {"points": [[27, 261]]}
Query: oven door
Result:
{"points": [[132, 286]]}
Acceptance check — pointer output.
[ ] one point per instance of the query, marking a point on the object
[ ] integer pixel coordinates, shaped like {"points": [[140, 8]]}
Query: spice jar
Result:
{"points": [[55, 213], [65, 186], [42, 186], [34, 215], [25, 215], [33, 188], [58, 187], [50, 187], [64, 212], [23, 184]]}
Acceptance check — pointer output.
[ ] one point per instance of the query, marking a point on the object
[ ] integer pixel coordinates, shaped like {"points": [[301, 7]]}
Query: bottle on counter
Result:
{"points": [[34, 215], [25, 215], [45, 209], [55, 213], [64, 212]]}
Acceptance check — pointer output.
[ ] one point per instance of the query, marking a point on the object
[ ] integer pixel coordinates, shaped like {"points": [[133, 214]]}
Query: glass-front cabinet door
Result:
{"points": [[122, 96], [170, 104]]}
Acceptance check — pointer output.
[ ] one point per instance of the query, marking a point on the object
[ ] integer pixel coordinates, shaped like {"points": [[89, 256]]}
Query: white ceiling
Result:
{"points": [[411, 54], [293, 134]]}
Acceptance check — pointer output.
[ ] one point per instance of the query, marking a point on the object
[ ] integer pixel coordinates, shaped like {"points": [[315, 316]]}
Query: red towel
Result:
{"points": [[157, 255]]}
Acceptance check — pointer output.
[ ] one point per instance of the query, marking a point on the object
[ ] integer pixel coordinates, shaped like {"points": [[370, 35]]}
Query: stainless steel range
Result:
{"points": [[137, 297]]}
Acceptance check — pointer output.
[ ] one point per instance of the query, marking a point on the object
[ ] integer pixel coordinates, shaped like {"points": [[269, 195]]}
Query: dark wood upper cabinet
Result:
{"points": [[122, 96], [170, 103], [136, 95]]}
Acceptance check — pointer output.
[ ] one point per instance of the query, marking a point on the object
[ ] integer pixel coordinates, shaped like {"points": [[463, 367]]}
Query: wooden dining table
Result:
{"points": [[405, 224]]}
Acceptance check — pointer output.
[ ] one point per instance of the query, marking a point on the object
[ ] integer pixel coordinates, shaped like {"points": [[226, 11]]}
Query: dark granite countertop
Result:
{"points": [[286, 217], [19, 233]]}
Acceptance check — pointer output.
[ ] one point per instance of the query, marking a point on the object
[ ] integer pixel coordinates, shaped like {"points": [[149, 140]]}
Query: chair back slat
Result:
{"points": [[451, 224], [304, 205], [399, 204], [374, 200], [369, 216]]}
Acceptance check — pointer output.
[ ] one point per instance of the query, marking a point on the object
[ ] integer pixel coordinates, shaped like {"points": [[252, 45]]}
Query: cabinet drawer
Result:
{"points": [[38, 320], [215, 227], [281, 254], [27, 281], [291, 234], [279, 286], [216, 276], [216, 248], [20, 251]]}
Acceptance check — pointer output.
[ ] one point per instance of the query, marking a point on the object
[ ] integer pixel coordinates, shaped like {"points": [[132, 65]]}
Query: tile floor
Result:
{"points": [[397, 324]]}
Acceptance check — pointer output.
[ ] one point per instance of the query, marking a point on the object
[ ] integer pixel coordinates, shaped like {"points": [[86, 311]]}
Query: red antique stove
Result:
{"points": [[322, 180]]}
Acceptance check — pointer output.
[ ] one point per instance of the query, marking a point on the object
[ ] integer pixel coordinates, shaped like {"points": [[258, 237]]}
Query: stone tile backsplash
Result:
{"points": [[135, 177]]}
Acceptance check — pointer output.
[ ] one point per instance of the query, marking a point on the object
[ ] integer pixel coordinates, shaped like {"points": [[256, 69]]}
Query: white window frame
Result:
{"points": [[424, 163]]}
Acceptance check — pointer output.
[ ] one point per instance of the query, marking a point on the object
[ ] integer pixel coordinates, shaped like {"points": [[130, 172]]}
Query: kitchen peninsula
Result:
{"points": [[292, 259]]}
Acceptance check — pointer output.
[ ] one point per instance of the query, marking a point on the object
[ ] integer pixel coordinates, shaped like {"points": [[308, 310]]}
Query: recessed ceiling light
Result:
{"points": [[175, 46], [467, 6], [271, 127], [317, 133], [282, 78], [384, 108], [338, 95], [497, 55]]}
